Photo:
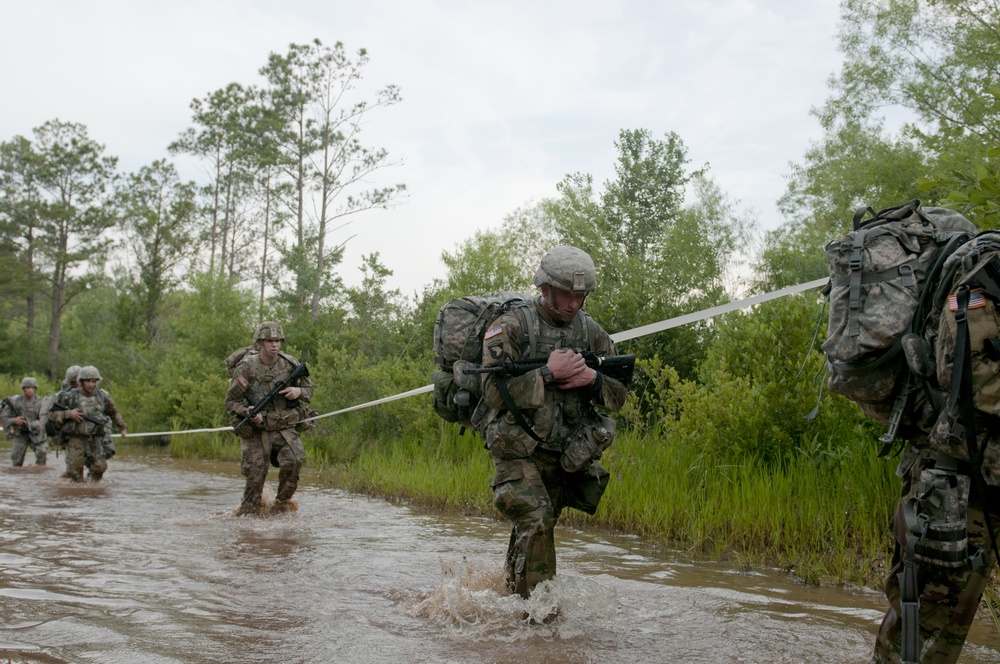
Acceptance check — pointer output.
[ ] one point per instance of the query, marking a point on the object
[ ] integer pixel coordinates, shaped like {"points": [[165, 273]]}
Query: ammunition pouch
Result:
{"points": [[508, 440], [938, 517], [586, 443]]}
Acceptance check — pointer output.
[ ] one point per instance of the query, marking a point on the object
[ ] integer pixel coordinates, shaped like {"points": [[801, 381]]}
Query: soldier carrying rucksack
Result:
{"points": [[913, 338]]}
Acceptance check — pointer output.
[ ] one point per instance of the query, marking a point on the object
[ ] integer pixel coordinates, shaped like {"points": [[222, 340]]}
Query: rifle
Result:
{"points": [[90, 418], [619, 367], [300, 371]]}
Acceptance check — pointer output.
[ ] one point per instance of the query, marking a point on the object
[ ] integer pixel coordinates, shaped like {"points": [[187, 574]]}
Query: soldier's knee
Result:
{"points": [[518, 503]]}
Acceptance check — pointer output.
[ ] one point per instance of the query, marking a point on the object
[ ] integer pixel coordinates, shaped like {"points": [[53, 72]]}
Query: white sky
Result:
{"points": [[500, 99]]}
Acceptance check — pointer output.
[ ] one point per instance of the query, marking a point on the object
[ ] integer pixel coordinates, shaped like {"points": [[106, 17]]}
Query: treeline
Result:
{"points": [[155, 280]]}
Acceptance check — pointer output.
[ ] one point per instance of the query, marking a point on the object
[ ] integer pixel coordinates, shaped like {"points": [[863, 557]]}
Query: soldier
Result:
{"points": [[543, 432], [69, 382], [20, 418], [273, 434], [87, 414]]}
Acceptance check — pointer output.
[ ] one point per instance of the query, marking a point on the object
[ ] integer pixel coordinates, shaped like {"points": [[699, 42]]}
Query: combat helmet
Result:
{"points": [[269, 331], [88, 372], [72, 374], [568, 268], [28, 381]]}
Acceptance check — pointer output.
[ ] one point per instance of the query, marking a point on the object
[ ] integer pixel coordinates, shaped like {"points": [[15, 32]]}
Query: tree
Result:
{"points": [[74, 174], [223, 138], [854, 165], [377, 315], [310, 88], [658, 254], [934, 61], [936, 58], [158, 222], [19, 227], [645, 198], [664, 236]]}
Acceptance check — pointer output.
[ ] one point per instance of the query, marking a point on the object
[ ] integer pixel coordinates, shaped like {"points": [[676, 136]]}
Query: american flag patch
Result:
{"points": [[492, 332], [242, 380], [976, 300]]}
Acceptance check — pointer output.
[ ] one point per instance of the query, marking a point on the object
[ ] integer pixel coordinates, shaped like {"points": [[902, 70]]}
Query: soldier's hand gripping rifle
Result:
{"points": [[90, 418], [300, 371], [619, 367]]}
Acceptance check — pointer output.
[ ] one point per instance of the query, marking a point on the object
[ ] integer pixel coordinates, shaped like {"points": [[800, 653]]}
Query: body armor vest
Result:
{"points": [[94, 405], [280, 413], [565, 410]]}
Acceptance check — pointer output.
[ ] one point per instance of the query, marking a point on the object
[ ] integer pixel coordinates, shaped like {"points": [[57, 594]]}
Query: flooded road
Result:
{"points": [[151, 566]]}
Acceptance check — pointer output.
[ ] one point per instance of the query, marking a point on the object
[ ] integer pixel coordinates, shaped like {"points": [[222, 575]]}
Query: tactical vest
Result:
{"points": [[279, 414], [94, 405], [564, 410], [29, 410]]}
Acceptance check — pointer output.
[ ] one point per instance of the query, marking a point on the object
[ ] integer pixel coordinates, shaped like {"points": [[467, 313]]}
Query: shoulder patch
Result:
{"points": [[242, 380], [492, 332]]}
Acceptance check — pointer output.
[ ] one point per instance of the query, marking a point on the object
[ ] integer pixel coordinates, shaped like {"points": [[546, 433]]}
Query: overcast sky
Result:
{"points": [[501, 100]]}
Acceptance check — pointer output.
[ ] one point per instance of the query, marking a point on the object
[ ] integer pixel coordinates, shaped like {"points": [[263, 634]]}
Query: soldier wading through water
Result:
{"points": [[86, 415], [271, 436], [20, 418], [555, 464]]}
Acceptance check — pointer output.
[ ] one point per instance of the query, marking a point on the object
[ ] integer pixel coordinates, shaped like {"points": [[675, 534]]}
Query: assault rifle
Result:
{"points": [[90, 418], [619, 367], [300, 371]]}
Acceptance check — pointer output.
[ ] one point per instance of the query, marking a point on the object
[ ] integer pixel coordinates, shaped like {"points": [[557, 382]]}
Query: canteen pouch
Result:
{"points": [[587, 443]]}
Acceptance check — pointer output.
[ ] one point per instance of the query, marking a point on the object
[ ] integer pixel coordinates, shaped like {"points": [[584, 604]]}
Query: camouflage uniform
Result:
{"points": [[69, 382], [949, 596], [84, 440], [533, 480], [30, 434], [276, 440], [941, 531]]}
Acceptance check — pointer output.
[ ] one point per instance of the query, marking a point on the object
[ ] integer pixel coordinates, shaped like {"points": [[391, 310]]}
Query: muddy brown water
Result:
{"points": [[151, 566]]}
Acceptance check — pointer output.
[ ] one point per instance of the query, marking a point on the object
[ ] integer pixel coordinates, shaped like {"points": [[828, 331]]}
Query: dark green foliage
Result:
{"points": [[760, 377]]}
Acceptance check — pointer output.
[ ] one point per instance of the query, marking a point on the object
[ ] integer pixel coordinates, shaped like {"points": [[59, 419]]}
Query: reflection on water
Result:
{"points": [[152, 566]]}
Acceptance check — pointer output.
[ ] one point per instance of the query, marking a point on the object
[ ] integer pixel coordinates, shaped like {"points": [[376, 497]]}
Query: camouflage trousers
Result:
{"points": [[19, 447], [256, 454], [949, 597], [86, 452], [530, 493]]}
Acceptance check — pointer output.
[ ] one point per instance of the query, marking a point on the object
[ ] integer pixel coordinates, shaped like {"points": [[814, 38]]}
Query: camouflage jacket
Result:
{"points": [[99, 405], [252, 380], [18, 406], [525, 332]]}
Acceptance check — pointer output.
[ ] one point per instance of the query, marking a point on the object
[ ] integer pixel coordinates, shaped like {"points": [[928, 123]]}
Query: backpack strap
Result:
{"points": [[859, 214], [854, 301], [289, 359], [961, 396]]}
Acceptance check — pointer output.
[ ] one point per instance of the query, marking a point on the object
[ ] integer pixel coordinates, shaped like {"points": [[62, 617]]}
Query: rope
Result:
{"points": [[645, 330]]}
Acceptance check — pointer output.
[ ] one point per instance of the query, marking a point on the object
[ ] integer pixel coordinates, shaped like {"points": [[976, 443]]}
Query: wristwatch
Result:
{"points": [[547, 377]]}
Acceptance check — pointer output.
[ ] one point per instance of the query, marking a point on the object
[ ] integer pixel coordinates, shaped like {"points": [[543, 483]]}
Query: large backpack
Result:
{"points": [[967, 355], [883, 274], [458, 344]]}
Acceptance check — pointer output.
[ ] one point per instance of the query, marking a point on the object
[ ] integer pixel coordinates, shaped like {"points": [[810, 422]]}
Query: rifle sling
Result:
{"points": [[508, 401]]}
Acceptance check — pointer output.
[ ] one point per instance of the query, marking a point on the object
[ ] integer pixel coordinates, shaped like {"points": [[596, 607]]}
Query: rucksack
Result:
{"points": [[967, 355], [458, 344], [235, 357], [883, 275]]}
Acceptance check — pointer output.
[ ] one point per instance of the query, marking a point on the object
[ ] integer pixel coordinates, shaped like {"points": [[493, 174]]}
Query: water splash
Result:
{"points": [[472, 600]]}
